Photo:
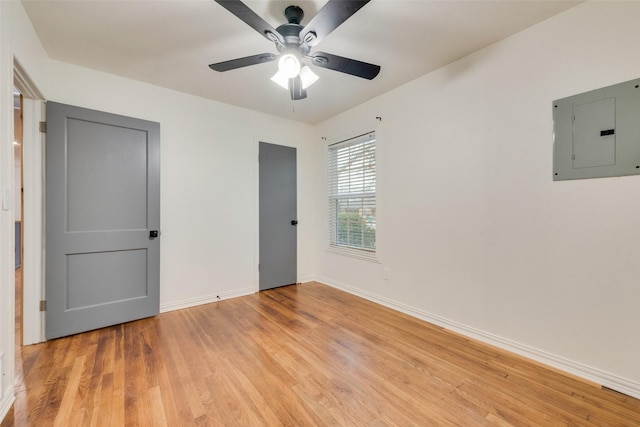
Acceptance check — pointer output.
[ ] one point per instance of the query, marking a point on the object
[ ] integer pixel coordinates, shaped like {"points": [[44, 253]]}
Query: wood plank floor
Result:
{"points": [[306, 355]]}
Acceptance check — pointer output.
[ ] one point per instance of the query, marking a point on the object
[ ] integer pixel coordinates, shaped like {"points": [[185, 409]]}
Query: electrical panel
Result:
{"points": [[596, 134]]}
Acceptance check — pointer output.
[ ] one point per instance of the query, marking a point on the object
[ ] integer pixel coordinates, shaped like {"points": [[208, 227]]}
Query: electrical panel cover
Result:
{"points": [[596, 134]]}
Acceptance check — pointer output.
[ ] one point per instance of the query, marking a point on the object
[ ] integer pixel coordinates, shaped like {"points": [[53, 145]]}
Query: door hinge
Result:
{"points": [[43, 305], [43, 127], [258, 268]]}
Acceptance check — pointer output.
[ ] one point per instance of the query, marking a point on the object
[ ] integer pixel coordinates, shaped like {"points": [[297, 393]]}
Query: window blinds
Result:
{"points": [[352, 194]]}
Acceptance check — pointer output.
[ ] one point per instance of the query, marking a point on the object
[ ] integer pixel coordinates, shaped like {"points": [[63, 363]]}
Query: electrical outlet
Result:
{"points": [[386, 273]]}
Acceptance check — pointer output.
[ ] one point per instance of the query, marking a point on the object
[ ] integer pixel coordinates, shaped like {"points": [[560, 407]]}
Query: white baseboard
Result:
{"points": [[598, 376], [192, 302], [6, 402], [306, 279]]}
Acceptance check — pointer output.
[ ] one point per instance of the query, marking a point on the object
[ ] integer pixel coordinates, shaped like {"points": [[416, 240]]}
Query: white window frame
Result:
{"points": [[333, 196]]}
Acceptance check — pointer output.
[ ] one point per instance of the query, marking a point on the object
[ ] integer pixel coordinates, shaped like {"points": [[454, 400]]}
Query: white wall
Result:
{"points": [[477, 235]]}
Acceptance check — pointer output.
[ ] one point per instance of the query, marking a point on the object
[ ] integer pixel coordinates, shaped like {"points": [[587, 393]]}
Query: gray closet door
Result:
{"points": [[102, 213], [278, 216]]}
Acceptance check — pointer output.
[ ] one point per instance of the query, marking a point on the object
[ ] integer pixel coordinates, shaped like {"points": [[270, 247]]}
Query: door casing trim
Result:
{"points": [[33, 210]]}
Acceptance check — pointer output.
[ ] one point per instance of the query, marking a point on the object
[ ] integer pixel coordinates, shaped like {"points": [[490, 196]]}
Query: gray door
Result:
{"points": [[102, 212], [278, 236]]}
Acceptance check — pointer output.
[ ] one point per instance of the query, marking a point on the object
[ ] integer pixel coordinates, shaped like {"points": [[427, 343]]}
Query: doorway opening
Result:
{"points": [[18, 212], [18, 204]]}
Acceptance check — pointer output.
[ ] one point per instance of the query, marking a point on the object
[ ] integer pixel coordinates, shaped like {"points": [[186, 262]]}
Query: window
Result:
{"points": [[352, 195]]}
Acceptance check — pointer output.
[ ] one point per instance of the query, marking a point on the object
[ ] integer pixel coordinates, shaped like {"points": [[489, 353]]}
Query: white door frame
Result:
{"points": [[33, 210]]}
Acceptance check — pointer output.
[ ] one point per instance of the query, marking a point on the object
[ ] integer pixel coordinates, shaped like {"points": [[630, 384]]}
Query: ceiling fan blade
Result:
{"points": [[243, 62], [249, 17], [346, 65], [332, 14]]}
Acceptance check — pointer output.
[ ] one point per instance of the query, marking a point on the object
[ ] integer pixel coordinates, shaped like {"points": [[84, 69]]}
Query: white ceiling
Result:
{"points": [[171, 43]]}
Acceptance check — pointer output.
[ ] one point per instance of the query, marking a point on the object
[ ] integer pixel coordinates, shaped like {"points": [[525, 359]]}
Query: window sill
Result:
{"points": [[354, 253]]}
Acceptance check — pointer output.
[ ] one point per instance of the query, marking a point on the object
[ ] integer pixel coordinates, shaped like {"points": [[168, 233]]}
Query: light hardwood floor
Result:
{"points": [[306, 355]]}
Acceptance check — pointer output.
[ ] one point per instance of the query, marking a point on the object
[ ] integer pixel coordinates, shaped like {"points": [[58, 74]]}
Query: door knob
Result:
{"points": [[153, 234], [294, 222]]}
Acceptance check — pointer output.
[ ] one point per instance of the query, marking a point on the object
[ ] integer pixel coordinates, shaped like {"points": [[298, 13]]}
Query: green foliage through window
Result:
{"points": [[354, 231]]}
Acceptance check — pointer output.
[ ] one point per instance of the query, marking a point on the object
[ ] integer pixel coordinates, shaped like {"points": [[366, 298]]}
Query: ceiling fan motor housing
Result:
{"points": [[291, 35]]}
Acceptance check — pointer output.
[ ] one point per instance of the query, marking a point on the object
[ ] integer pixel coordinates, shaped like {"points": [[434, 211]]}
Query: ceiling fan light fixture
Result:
{"points": [[281, 79], [289, 65], [307, 76]]}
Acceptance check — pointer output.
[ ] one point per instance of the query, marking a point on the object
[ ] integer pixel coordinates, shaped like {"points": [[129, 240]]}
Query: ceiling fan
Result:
{"points": [[294, 43]]}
